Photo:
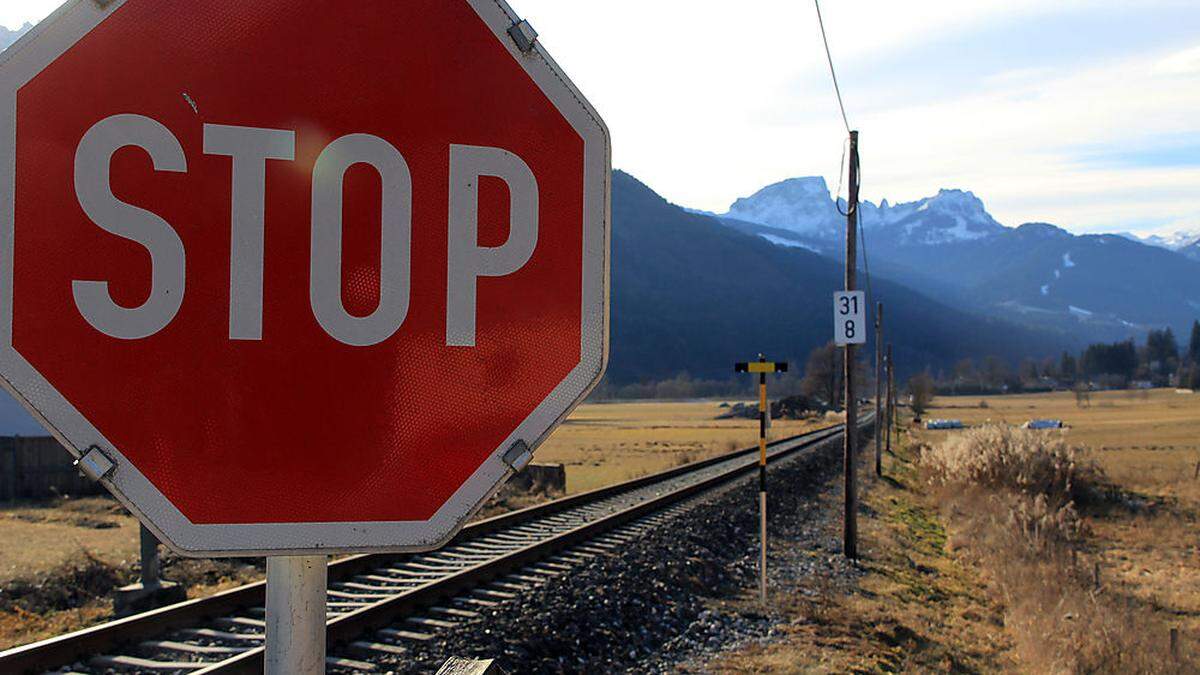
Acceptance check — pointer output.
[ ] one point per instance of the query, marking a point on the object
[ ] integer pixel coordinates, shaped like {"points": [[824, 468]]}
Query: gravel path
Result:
{"points": [[677, 595]]}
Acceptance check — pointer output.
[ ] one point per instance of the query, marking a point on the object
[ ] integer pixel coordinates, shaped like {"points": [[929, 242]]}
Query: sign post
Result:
{"points": [[762, 367], [296, 586], [236, 269]]}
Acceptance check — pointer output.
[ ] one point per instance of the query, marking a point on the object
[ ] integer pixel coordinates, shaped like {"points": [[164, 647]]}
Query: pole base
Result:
{"points": [[136, 598]]}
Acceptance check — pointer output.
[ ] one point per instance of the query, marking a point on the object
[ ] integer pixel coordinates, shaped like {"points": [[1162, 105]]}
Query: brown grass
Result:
{"points": [[605, 443], [969, 568], [1001, 457], [914, 607], [1007, 497]]}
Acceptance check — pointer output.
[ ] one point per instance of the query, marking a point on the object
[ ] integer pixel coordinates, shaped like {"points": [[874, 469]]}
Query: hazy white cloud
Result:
{"points": [[13, 13], [1016, 145], [709, 100]]}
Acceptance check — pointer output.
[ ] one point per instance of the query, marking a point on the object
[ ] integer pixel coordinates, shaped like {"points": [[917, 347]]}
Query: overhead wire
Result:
{"points": [[829, 57], [850, 209]]}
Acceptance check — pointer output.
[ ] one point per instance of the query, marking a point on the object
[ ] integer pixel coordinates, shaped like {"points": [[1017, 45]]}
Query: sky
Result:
{"points": [[1085, 114]]}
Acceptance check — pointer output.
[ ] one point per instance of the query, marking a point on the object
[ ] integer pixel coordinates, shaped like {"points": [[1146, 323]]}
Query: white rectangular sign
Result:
{"points": [[849, 317]]}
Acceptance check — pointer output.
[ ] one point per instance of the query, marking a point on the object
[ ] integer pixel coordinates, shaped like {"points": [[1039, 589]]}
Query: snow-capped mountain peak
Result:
{"points": [[801, 205], [804, 206], [10, 35], [1170, 240]]}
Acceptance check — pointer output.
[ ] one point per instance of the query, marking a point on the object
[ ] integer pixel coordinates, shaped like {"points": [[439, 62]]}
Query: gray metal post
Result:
{"points": [[149, 550], [295, 615]]}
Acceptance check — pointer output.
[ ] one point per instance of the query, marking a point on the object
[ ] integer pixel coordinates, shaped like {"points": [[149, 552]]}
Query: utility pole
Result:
{"points": [[891, 396], [850, 518], [878, 389]]}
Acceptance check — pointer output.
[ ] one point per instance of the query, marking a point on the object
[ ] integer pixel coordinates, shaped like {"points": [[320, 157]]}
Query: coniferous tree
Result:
{"points": [[1193, 352], [1067, 367]]}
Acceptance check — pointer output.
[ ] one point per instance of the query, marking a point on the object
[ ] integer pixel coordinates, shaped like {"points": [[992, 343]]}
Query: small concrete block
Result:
{"points": [[136, 598], [458, 666]]}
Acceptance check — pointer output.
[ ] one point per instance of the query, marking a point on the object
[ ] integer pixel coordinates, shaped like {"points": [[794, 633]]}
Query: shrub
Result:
{"points": [[1023, 460]]}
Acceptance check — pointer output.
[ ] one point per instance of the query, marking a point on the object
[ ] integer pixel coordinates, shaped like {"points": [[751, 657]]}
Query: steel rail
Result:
{"points": [[105, 638], [345, 628]]}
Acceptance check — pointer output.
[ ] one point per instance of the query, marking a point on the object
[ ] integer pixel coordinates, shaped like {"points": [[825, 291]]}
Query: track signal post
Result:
{"points": [[762, 367]]}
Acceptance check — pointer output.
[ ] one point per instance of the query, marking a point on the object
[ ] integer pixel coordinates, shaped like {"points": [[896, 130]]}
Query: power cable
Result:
{"points": [[837, 90], [829, 57]]}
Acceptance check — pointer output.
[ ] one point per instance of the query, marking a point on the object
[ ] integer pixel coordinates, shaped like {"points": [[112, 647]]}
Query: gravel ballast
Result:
{"points": [[679, 593]]}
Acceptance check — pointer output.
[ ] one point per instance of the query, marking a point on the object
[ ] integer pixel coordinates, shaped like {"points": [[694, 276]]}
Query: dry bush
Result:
{"points": [[1027, 461], [685, 457], [1008, 497]]}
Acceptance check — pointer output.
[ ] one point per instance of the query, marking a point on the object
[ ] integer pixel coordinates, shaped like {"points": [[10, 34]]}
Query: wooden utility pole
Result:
{"points": [[850, 517], [891, 396], [878, 389]]}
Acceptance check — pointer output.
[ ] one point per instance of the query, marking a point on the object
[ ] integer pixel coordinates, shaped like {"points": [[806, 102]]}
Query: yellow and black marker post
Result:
{"points": [[762, 367]]}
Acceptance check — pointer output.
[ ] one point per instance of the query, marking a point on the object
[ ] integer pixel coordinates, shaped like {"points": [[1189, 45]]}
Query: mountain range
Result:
{"points": [[1080, 287], [10, 35], [692, 294]]}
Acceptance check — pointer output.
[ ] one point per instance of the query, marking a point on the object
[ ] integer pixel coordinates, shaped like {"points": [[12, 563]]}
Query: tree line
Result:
{"points": [[1159, 361]]}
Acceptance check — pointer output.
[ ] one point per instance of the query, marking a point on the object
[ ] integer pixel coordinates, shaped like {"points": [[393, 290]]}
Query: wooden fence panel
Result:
{"points": [[38, 467]]}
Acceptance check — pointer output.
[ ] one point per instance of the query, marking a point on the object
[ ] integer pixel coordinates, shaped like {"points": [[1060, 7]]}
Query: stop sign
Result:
{"points": [[297, 277]]}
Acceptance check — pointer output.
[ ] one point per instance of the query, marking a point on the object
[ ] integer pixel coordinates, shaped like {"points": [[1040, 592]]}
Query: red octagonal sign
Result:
{"points": [[296, 277]]}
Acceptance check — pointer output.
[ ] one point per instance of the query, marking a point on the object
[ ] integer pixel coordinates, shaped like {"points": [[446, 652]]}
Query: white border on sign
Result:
{"points": [[23, 60]]}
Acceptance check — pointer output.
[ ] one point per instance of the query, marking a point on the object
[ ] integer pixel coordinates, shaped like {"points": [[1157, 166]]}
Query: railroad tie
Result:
{"points": [[239, 622], [489, 593], [398, 634], [350, 664], [427, 622], [144, 664], [210, 634], [453, 611], [187, 647], [369, 649], [474, 602]]}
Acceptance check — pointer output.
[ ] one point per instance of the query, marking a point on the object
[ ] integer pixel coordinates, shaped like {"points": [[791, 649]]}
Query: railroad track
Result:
{"points": [[379, 603]]}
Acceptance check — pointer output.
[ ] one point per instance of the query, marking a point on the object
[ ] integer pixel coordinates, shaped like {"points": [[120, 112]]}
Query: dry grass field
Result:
{"points": [[1141, 537], [979, 578], [605, 443]]}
